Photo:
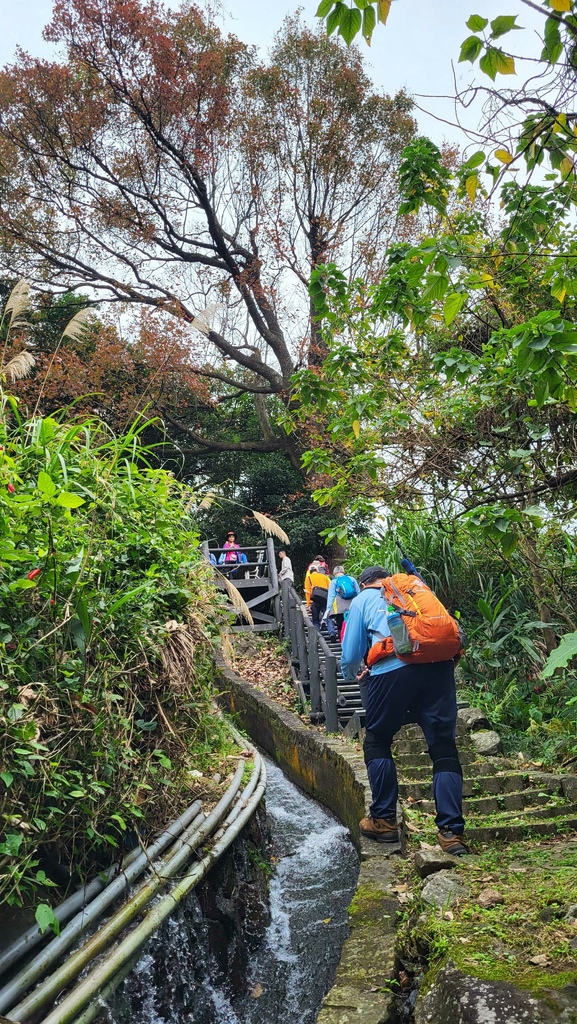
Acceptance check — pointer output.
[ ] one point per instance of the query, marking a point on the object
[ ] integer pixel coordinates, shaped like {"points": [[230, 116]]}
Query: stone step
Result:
{"points": [[419, 746], [414, 767], [505, 802], [482, 785], [518, 817], [511, 833]]}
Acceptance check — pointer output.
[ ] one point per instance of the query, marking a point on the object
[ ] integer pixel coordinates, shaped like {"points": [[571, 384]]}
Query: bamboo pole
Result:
{"points": [[112, 963], [79, 924], [191, 838]]}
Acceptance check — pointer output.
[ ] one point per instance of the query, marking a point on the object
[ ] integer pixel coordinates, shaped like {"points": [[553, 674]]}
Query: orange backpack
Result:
{"points": [[434, 633]]}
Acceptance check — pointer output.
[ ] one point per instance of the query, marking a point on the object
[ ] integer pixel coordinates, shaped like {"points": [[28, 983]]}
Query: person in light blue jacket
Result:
{"points": [[398, 692], [343, 588]]}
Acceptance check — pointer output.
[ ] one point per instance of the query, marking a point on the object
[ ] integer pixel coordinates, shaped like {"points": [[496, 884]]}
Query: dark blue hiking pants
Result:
{"points": [[424, 694]]}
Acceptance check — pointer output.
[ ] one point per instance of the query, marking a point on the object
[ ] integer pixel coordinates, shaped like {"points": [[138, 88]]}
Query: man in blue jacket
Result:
{"points": [[399, 693]]}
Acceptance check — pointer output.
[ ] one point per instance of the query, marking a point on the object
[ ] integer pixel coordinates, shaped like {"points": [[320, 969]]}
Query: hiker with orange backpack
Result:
{"points": [[409, 642]]}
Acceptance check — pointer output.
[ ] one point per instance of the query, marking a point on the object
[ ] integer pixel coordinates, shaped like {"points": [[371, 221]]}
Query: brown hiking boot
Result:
{"points": [[454, 844], [379, 829]]}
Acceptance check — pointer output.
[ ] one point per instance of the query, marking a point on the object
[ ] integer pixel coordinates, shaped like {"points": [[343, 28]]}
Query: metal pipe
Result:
{"points": [[111, 964], [22, 981], [26, 942], [101, 939]]}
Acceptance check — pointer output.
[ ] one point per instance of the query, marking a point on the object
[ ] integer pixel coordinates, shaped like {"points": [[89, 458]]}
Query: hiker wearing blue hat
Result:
{"points": [[399, 692]]}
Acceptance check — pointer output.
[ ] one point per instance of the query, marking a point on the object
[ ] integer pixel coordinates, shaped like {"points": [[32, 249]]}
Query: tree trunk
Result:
{"points": [[529, 549]]}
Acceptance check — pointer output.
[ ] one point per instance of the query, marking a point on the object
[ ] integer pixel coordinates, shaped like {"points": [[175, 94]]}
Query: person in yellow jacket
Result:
{"points": [[317, 582]]}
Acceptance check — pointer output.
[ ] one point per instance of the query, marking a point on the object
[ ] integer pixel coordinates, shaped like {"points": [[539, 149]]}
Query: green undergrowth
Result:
{"points": [[107, 621], [525, 939]]}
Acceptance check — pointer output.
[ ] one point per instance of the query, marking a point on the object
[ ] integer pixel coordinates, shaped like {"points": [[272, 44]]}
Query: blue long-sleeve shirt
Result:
{"points": [[333, 591], [367, 623]]}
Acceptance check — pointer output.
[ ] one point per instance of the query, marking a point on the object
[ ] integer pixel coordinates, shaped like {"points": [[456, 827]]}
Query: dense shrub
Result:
{"points": [[106, 613]]}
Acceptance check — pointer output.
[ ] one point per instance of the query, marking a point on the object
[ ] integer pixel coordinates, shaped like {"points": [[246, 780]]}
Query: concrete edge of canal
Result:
{"points": [[334, 775]]}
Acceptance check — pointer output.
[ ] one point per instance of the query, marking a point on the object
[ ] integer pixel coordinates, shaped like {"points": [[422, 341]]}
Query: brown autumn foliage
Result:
{"points": [[157, 164], [102, 372]]}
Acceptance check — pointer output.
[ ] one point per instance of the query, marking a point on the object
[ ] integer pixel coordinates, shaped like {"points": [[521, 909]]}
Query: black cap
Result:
{"points": [[372, 573]]}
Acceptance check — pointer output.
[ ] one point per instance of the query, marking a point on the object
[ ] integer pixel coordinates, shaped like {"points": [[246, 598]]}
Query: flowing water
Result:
{"points": [[316, 869]]}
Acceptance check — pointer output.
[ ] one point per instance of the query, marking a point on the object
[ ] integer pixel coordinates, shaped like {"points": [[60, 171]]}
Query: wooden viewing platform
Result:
{"points": [[257, 582]]}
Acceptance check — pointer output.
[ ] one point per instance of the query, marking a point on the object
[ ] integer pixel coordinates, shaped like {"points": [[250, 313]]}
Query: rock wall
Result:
{"points": [[326, 768]]}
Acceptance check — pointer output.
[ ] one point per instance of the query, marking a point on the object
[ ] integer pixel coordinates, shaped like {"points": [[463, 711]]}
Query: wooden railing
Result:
{"points": [[314, 664], [257, 581]]}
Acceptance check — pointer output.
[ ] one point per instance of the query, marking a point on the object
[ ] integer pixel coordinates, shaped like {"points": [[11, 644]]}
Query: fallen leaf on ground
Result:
{"points": [[327, 920], [540, 960], [257, 990], [400, 888], [404, 980]]}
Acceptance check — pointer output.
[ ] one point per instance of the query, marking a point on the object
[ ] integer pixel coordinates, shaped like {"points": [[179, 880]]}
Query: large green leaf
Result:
{"points": [[46, 484], [470, 48], [504, 23], [437, 285], [350, 24], [369, 22], [561, 656], [476, 23], [494, 62], [453, 305], [334, 18], [68, 500]]}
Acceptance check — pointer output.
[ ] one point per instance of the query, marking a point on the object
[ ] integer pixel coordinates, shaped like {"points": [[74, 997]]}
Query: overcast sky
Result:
{"points": [[417, 50]]}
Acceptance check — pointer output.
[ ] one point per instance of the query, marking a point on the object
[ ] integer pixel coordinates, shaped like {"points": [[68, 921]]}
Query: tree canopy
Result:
{"points": [[161, 166]]}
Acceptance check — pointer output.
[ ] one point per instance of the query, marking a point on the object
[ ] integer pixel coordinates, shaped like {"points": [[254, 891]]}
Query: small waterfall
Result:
{"points": [[178, 981]]}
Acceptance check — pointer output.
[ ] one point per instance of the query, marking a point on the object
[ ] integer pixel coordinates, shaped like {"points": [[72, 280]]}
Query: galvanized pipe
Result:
{"points": [[176, 857], [26, 942], [110, 965], [38, 966]]}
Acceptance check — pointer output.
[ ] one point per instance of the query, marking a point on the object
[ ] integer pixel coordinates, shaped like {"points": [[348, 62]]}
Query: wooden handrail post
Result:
{"points": [[273, 577], [331, 716], [302, 645], [314, 674]]}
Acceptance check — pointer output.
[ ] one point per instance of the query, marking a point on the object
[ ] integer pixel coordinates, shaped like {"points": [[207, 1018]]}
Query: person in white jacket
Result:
{"points": [[286, 567]]}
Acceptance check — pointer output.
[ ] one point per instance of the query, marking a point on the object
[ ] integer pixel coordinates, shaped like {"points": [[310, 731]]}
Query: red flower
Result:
{"points": [[11, 488], [33, 574]]}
